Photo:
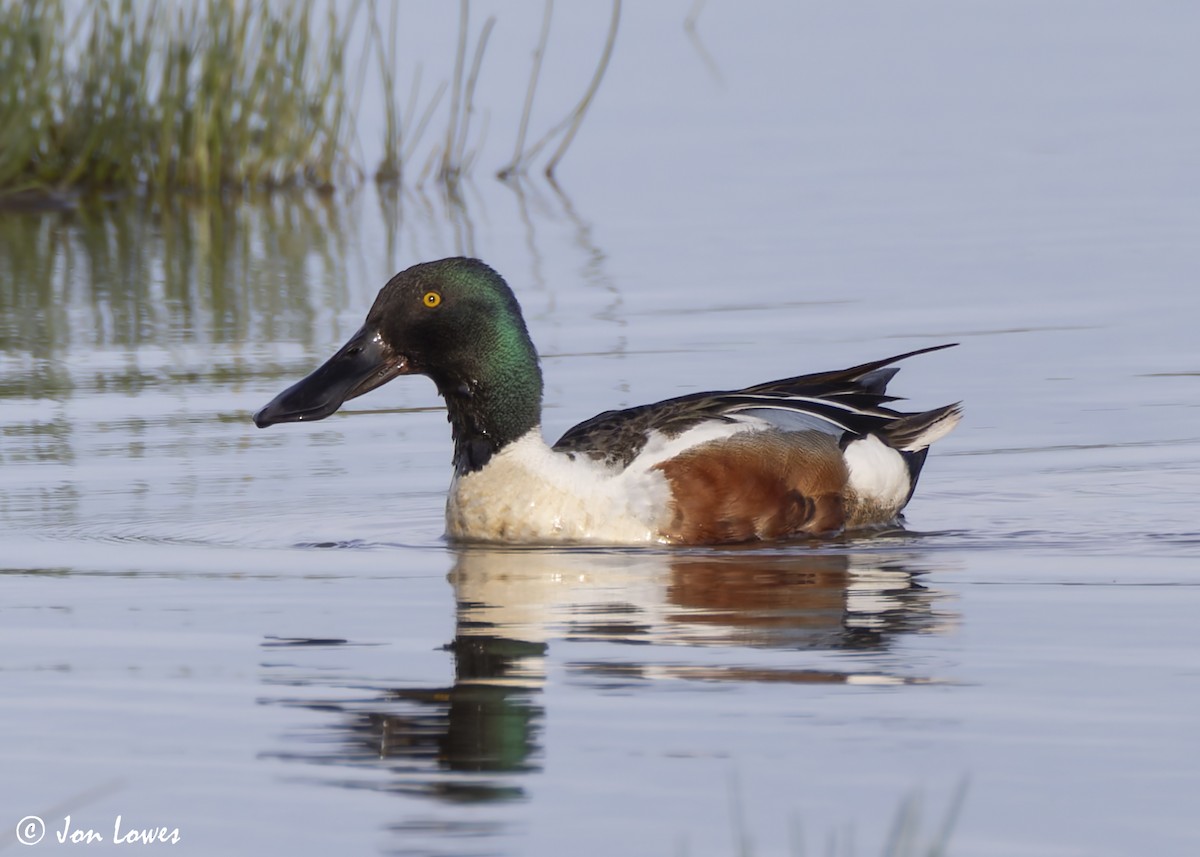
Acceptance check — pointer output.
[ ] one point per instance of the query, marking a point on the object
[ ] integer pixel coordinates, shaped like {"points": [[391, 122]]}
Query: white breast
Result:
{"points": [[530, 493]]}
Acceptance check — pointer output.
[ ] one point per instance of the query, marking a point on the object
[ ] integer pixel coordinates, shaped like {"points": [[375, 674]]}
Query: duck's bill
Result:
{"points": [[361, 365]]}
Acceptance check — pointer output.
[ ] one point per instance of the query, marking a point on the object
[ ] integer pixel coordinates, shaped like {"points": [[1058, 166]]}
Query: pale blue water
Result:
{"points": [[260, 638]]}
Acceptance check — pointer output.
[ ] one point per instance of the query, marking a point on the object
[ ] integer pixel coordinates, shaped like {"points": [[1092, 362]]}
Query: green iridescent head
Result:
{"points": [[458, 322]]}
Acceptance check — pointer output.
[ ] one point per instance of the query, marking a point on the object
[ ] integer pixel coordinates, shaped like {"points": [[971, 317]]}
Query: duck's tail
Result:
{"points": [[912, 434], [915, 432]]}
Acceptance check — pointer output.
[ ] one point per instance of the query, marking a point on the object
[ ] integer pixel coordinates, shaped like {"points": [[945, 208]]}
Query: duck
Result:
{"points": [[806, 457]]}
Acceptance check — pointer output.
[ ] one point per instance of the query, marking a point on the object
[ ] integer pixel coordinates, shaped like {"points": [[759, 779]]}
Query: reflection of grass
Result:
{"points": [[132, 275]]}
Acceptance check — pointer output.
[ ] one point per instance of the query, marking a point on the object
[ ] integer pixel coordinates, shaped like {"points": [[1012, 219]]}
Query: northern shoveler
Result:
{"points": [[811, 455]]}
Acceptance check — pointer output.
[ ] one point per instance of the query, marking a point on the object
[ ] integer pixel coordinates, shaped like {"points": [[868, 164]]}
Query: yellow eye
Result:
{"points": [[431, 299]]}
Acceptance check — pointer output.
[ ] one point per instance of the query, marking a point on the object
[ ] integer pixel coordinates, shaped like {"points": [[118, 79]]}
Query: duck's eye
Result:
{"points": [[431, 299]]}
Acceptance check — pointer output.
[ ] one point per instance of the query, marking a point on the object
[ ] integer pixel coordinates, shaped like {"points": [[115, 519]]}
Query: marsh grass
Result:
{"points": [[207, 97], [193, 96], [568, 127], [905, 838]]}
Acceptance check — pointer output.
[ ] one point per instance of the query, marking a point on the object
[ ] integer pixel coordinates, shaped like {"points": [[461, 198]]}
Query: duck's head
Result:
{"points": [[455, 320]]}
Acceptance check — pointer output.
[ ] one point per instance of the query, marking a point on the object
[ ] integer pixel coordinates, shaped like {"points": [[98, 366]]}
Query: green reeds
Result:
{"points": [[206, 97], [198, 97]]}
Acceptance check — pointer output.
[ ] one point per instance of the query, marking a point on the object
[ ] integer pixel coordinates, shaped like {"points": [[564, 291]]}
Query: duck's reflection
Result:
{"points": [[486, 722], [620, 619], [737, 599]]}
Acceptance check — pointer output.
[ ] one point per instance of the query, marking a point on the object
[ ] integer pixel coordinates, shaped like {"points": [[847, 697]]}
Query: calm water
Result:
{"points": [[260, 638]]}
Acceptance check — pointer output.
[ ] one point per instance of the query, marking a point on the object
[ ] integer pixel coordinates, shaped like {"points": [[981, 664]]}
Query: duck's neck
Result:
{"points": [[492, 410]]}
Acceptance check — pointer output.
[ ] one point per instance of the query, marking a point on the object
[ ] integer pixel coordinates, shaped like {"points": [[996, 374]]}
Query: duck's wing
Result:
{"points": [[845, 402]]}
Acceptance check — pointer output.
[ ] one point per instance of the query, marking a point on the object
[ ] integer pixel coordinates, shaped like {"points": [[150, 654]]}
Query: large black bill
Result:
{"points": [[361, 365]]}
